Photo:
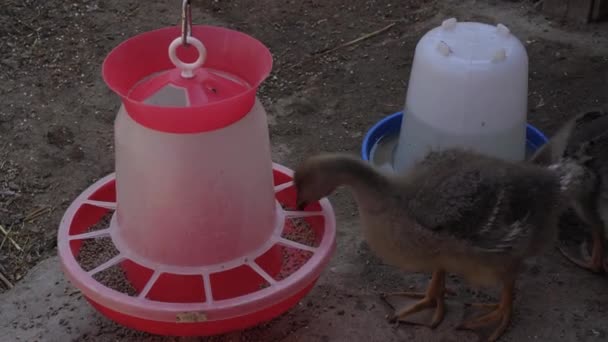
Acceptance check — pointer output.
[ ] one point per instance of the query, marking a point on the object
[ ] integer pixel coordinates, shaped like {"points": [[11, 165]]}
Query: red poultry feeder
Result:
{"points": [[197, 239]]}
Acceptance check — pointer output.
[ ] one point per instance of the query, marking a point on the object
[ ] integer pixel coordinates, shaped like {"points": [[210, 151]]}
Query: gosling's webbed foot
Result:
{"points": [[414, 294], [501, 313], [593, 262], [426, 302], [432, 298]]}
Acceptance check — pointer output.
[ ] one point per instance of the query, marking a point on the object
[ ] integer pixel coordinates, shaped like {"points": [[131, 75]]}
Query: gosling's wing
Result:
{"points": [[589, 142], [554, 149], [579, 138], [487, 204], [589, 145]]}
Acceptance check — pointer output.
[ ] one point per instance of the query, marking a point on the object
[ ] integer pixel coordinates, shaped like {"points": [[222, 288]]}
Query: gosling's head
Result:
{"points": [[317, 177]]}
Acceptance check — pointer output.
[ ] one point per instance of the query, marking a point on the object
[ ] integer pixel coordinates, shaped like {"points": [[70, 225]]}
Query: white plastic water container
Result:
{"points": [[468, 88]]}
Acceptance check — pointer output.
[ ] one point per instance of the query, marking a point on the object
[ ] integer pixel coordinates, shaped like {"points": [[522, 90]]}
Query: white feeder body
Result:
{"points": [[468, 88], [194, 199]]}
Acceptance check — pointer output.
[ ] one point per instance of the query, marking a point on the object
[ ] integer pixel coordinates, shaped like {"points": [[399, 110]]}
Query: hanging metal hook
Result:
{"points": [[186, 22]]}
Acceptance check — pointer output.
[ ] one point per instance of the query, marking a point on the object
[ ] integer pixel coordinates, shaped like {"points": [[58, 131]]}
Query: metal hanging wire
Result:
{"points": [[186, 22]]}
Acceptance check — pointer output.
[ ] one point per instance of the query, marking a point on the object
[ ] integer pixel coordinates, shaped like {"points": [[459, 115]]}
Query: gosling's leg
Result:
{"points": [[595, 262], [502, 313], [432, 298]]}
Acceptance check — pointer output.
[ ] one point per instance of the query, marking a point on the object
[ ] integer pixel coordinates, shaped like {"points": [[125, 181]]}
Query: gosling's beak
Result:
{"points": [[301, 204]]}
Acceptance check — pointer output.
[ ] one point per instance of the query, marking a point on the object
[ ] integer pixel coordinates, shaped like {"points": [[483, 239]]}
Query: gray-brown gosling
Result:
{"points": [[456, 211], [587, 146]]}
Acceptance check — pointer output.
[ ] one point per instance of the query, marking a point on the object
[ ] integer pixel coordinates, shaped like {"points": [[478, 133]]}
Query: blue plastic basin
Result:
{"points": [[392, 124]]}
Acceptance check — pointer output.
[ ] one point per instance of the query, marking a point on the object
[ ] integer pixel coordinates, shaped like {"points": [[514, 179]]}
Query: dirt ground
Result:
{"points": [[56, 114]]}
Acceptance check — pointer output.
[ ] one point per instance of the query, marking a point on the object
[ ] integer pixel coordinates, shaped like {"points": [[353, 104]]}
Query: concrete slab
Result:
{"points": [[555, 303], [45, 307]]}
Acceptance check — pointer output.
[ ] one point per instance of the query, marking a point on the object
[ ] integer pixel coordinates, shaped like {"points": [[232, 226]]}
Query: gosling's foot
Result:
{"points": [[501, 314], [593, 262], [426, 302]]}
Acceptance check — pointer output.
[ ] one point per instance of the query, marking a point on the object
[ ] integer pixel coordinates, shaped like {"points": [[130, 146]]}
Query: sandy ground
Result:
{"points": [[56, 119]]}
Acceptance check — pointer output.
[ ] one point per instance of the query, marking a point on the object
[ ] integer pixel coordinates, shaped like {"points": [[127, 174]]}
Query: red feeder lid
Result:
{"points": [[161, 91]]}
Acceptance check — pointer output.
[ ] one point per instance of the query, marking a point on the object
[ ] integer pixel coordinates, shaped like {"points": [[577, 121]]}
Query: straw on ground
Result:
{"points": [[7, 237]]}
